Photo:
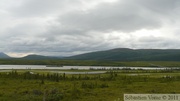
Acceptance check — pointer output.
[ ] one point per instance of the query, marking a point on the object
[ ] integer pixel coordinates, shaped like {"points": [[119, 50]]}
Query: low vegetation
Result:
{"points": [[36, 85], [60, 62]]}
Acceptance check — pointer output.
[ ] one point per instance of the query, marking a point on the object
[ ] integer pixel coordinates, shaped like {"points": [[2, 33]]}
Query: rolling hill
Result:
{"points": [[118, 54], [38, 57], [125, 54]]}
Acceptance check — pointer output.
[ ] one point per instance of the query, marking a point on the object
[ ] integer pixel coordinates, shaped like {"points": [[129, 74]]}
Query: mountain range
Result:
{"points": [[125, 54], [118, 54], [3, 55], [39, 57]]}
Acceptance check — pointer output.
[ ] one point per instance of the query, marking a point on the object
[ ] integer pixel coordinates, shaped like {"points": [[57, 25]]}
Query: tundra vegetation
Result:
{"points": [[60, 62], [42, 85]]}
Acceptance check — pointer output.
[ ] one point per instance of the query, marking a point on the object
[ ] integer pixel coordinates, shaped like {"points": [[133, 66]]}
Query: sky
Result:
{"points": [[70, 27]]}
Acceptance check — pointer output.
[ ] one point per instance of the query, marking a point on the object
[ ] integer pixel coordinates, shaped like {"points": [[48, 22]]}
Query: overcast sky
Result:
{"points": [[69, 27]]}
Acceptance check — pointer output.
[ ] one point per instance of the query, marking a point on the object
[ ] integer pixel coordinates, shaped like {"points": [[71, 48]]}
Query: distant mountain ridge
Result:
{"points": [[3, 55], [38, 57], [125, 54], [118, 54]]}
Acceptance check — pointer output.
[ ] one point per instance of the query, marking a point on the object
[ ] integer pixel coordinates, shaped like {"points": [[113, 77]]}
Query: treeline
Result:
{"points": [[56, 76], [61, 62], [79, 84]]}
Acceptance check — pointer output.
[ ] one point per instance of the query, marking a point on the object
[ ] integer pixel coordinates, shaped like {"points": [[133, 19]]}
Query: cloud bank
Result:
{"points": [[66, 27]]}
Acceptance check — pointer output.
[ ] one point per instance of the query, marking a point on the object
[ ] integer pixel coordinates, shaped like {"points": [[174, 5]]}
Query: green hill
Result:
{"points": [[38, 57], [125, 54]]}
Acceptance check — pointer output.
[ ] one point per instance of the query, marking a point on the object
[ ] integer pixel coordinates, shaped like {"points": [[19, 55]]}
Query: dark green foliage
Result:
{"points": [[89, 85], [104, 85], [42, 81], [53, 95], [37, 92]]}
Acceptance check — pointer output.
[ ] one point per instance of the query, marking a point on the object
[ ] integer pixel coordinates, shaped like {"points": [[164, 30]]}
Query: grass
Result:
{"points": [[20, 85], [60, 62]]}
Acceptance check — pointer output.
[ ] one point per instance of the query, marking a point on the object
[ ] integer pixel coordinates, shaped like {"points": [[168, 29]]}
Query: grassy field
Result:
{"points": [[38, 85]]}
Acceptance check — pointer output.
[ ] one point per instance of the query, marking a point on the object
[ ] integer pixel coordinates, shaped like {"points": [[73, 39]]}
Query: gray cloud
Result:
{"points": [[108, 17], [125, 16], [66, 27], [35, 8]]}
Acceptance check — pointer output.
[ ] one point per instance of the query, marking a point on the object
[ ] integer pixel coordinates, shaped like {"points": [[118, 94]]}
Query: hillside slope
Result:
{"points": [[3, 55], [125, 54], [38, 57]]}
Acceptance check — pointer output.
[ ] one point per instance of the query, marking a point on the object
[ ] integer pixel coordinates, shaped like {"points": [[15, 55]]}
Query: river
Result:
{"points": [[8, 67]]}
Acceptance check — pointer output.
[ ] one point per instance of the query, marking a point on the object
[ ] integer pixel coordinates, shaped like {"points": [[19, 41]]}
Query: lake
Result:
{"points": [[8, 67]]}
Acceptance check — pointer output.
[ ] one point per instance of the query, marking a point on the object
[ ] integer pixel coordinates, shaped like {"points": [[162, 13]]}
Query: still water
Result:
{"points": [[55, 69], [73, 67]]}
